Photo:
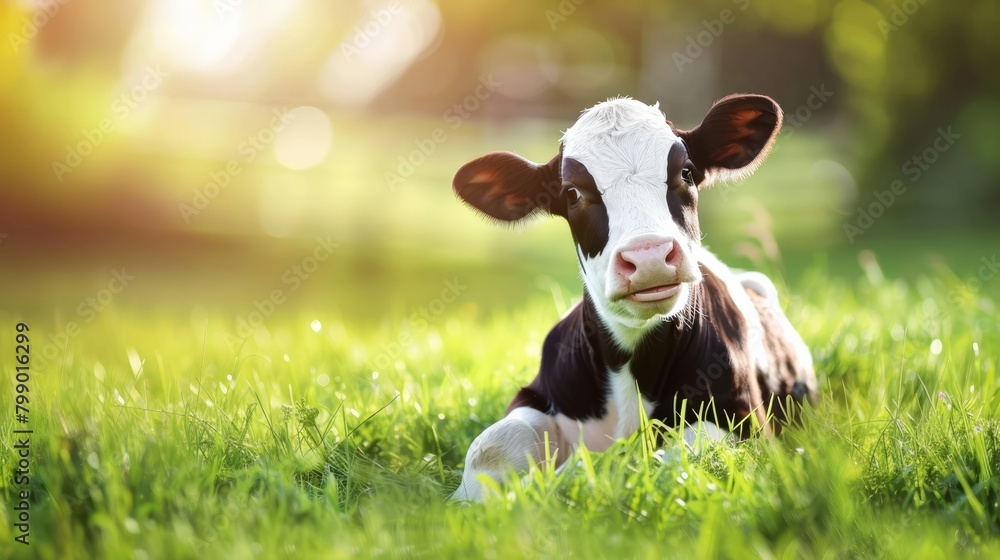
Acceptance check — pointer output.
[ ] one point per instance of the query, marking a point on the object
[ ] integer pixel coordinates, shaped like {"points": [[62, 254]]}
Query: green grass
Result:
{"points": [[160, 434], [160, 437]]}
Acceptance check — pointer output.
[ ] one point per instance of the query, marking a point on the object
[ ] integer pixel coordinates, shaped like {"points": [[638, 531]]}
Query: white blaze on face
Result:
{"points": [[624, 145]]}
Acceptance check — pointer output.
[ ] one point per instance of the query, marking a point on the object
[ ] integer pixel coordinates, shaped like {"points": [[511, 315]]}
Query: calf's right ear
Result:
{"points": [[734, 138], [506, 187]]}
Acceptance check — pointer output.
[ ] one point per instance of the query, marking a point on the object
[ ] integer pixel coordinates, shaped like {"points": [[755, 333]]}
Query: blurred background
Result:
{"points": [[209, 147]]}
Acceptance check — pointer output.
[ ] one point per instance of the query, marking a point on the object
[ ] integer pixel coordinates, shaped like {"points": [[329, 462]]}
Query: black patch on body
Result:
{"points": [[705, 361], [570, 380]]}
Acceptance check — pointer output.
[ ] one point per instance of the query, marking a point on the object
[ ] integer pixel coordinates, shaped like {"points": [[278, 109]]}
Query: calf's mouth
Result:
{"points": [[655, 294]]}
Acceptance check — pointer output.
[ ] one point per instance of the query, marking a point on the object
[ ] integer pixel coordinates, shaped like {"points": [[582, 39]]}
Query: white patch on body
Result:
{"points": [[626, 398], [621, 416]]}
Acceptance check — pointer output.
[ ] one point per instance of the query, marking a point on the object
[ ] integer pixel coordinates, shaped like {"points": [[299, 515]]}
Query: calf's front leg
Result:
{"points": [[513, 444]]}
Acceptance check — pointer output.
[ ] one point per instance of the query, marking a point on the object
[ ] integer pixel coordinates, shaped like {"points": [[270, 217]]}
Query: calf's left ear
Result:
{"points": [[734, 138]]}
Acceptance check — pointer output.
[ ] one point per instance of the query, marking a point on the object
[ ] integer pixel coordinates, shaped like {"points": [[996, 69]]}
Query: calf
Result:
{"points": [[661, 320]]}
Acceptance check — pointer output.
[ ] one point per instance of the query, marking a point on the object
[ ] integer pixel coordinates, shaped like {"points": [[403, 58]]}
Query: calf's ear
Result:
{"points": [[734, 138], [506, 187]]}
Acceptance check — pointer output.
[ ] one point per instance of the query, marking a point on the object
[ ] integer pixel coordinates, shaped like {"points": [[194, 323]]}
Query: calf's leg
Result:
{"points": [[513, 444]]}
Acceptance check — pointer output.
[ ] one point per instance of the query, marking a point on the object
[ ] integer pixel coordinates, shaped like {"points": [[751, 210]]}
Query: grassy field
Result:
{"points": [[156, 437], [191, 414]]}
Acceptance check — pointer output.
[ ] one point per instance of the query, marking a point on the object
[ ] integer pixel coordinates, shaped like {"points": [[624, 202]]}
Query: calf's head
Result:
{"points": [[627, 183]]}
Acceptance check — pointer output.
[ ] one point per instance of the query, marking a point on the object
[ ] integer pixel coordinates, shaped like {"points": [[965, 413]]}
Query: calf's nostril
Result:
{"points": [[624, 266], [674, 254]]}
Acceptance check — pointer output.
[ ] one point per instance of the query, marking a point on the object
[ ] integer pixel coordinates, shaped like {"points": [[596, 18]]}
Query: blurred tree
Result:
{"points": [[899, 70]]}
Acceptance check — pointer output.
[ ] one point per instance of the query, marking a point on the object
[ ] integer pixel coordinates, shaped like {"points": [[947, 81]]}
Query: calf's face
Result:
{"points": [[627, 183]]}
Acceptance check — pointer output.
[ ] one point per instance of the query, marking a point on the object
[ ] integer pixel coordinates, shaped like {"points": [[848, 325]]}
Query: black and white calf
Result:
{"points": [[661, 320]]}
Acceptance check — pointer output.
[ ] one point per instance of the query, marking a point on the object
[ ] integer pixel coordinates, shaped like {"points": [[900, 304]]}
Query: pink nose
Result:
{"points": [[648, 258]]}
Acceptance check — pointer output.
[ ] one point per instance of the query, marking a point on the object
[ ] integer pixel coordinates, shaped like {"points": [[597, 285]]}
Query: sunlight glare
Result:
{"points": [[377, 51]]}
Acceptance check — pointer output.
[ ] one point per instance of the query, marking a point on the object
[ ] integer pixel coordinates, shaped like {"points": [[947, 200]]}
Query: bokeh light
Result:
{"points": [[306, 140]]}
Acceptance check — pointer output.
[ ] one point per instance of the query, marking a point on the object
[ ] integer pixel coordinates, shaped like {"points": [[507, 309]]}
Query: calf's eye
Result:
{"points": [[572, 195], [687, 176]]}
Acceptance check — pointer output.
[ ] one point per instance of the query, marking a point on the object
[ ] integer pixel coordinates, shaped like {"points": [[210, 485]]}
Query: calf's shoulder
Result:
{"points": [[570, 379]]}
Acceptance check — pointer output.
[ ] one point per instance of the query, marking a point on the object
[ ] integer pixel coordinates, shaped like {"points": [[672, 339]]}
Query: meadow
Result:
{"points": [[192, 414]]}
